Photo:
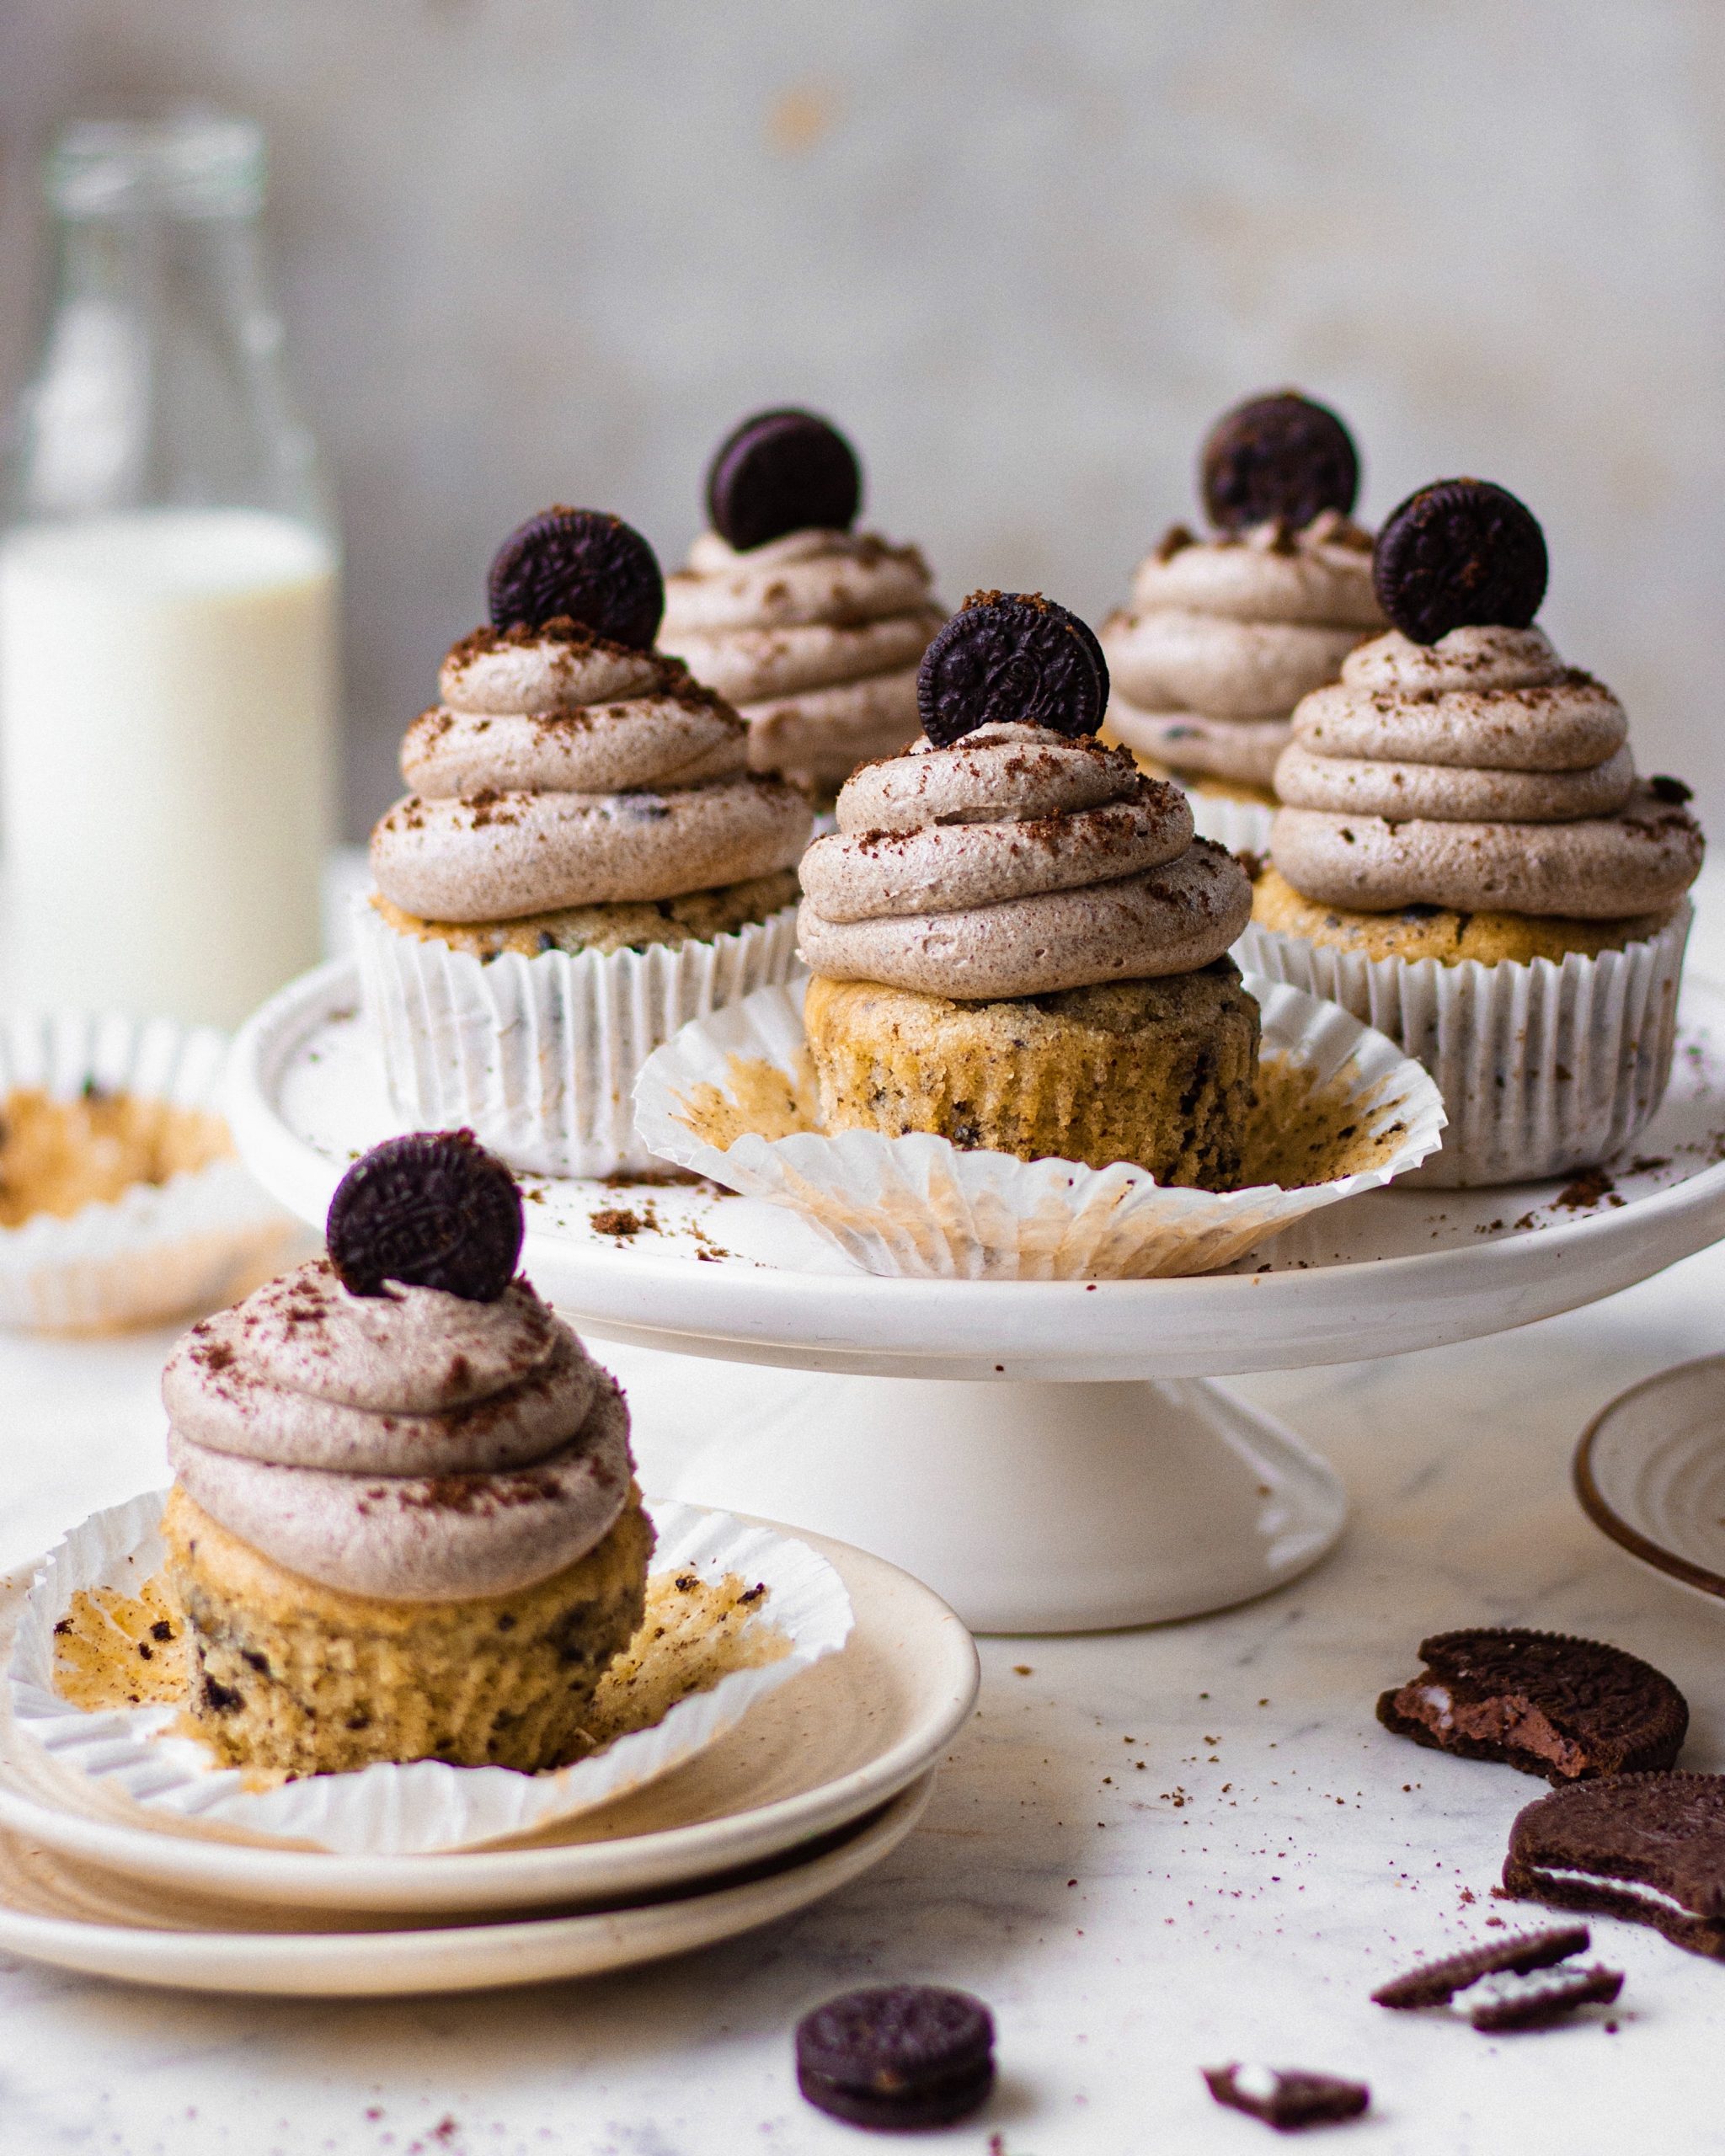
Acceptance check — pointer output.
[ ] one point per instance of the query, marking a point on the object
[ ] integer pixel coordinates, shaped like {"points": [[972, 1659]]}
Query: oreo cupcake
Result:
{"points": [[404, 1524], [585, 861], [1225, 635], [1466, 858], [812, 630], [1017, 942]]}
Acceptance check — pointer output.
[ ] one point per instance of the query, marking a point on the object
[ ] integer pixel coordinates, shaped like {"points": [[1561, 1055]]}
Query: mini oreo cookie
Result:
{"points": [[1648, 1847], [1541, 1702], [582, 563], [1281, 458], [896, 2057], [433, 1209], [1459, 552], [1499, 2005], [1437, 1982], [1287, 2098], [780, 471], [1011, 657]]}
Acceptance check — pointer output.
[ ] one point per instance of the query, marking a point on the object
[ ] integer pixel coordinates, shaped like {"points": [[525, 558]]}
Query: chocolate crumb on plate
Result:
{"points": [[1649, 1848], [1436, 1983], [897, 2057], [1287, 2098]]}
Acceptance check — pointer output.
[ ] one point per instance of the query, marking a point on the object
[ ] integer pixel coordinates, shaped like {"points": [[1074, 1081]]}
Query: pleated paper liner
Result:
{"points": [[734, 1097]]}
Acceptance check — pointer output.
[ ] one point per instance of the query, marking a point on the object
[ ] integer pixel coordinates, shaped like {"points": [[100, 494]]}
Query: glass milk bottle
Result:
{"points": [[167, 600]]}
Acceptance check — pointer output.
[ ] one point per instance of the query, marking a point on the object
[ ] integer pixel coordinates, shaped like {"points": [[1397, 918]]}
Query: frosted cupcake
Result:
{"points": [[1466, 858], [584, 863], [812, 630], [1018, 944], [1223, 636], [404, 1524]]}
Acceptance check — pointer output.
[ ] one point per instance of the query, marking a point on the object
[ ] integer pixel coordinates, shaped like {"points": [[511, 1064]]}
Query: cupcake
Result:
{"points": [[812, 630], [1017, 942], [403, 1523], [1466, 858], [1226, 635], [584, 863]]}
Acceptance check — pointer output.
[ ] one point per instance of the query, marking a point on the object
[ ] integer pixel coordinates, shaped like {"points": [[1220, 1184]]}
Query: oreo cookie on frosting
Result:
{"points": [[1011, 657], [1280, 459], [1648, 1847], [1459, 553], [1544, 1703], [781, 471], [433, 1209], [579, 565]]}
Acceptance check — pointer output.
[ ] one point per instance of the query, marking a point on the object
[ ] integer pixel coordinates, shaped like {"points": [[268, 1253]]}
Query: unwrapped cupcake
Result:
{"points": [[584, 863], [1467, 860], [814, 630], [404, 1524], [1225, 635]]}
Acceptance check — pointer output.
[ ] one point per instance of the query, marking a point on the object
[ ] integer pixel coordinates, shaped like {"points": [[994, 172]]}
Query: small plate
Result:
{"points": [[1650, 1472], [79, 1917], [834, 1743]]}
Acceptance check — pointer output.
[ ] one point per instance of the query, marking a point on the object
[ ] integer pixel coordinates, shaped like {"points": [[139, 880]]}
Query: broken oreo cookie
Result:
{"points": [[780, 471], [1541, 1702], [1287, 2098], [434, 1210], [897, 2057], [1280, 459], [1459, 552], [582, 564], [1011, 657], [1648, 1847], [1435, 1983], [1500, 2005]]}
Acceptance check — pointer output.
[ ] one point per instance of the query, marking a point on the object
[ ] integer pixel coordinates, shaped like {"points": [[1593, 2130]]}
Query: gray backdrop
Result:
{"points": [[538, 249]]}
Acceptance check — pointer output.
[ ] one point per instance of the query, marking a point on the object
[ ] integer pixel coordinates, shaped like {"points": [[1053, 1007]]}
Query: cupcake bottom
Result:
{"points": [[696, 916], [1435, 932], [292, 1675], [1159, 1073]]}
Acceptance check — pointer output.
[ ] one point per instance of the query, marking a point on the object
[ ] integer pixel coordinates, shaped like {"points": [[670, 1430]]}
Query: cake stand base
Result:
{"points": [[1035, 1508]]}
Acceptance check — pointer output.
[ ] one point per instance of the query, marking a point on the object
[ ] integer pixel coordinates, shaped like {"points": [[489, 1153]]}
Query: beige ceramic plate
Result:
{"points": [[78, 1916], [1650, 1472], [832, 1744]]}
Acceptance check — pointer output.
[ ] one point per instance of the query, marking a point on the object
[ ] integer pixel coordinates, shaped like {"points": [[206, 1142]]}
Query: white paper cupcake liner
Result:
{"points": [[920, 1206], [1543, 1067], [1242, 826], [391, 1811], [158, 1249], [538, 1056]]}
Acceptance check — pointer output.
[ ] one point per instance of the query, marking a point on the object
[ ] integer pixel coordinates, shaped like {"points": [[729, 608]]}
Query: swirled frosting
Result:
{"points": [[1475, 773], [560, 769], [815, 637], [1015, 863], [1224, 637], [410, 1446]]}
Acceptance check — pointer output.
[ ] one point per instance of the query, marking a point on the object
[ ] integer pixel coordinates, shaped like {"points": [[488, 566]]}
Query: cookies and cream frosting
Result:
{"points": [[1478, 773], [1225, 636], [1015, 863], [815, 637], [410, 1446], [560, 769]]}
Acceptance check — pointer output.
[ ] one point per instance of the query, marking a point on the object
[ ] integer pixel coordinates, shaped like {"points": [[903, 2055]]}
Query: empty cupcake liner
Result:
{"points": [[1543, 1067], [538, 1056], [403, 1811], [159, 1250], [919, 1206]]}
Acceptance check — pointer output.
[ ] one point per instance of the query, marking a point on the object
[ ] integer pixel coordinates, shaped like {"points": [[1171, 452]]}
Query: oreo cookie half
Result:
{"points": [[781, 471], [1435, 1983], [1287, 2098], [1648, 1847], [1011, 657], [1278, 457], [434, 1210], [1541, 1702], [584, 564], [1459, 552], [897, 2057]]}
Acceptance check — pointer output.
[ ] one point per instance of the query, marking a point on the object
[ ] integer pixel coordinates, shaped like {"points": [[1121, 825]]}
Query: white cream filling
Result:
{"points": [[1632, 1889]]}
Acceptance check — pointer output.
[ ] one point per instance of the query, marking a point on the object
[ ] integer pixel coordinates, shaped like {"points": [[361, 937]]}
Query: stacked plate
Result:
{"points": [[818, 1782]]}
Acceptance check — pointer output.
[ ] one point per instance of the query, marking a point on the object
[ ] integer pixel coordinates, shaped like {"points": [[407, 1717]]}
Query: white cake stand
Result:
{"points": [[1049, 1456]]}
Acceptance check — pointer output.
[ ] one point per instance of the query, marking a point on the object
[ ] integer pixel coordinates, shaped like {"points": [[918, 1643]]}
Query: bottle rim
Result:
{"points": [[187, 162]]}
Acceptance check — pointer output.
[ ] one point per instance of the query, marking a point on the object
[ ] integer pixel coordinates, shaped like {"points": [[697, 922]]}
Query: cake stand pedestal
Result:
{"points": [[1047, 1455]]}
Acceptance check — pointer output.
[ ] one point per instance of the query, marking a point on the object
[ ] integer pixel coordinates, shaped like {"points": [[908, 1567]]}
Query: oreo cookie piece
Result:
{"points": [[581, 564], [1648, 1847], [1287, 2098], [1281, 458], [1011, 657], [897, 2057], [781, 471], [434, 1210], [1540, 1702], [1460, 552], [1498, 2005], [1437, 1982]]}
